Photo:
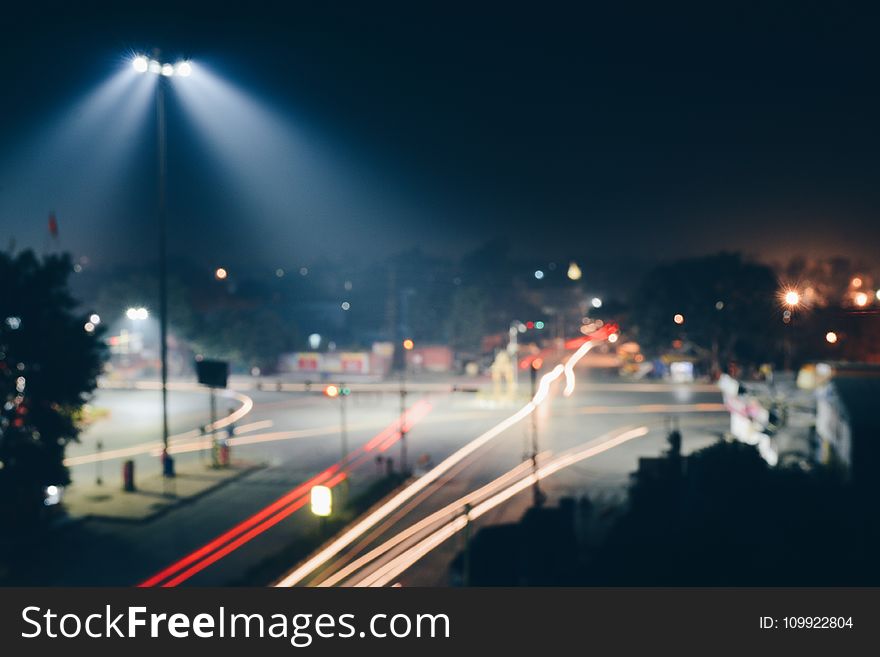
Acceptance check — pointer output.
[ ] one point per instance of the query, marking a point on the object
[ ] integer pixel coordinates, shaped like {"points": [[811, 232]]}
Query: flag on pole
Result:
{"points": [[53, 225]]}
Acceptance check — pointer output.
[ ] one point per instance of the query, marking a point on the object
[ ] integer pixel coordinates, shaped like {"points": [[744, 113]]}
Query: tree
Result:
{"points": [[729, 306], [49, 364]]}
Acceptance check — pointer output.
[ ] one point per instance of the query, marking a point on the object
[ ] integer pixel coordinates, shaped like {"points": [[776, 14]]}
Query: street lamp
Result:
{"points": [[165, 70], [792, 298]]}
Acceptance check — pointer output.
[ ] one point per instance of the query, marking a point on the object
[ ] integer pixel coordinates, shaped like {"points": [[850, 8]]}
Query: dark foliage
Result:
{"points": [[49, 365]]}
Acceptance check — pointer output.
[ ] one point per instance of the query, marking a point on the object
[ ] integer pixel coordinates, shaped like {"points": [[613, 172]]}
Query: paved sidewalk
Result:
{"points": [[154, 495]]}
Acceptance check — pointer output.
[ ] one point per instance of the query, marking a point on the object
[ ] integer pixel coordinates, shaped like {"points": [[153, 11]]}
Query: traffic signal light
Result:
{"points": [[336, 391]]}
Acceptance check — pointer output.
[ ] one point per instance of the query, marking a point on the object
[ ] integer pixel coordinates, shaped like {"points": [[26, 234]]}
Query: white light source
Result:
{"points": [[596, 302], [539, 274], [322, 501], [183, 69], [95, 318], [140, 64], [155, 67], [136, 314], [167, 70]]}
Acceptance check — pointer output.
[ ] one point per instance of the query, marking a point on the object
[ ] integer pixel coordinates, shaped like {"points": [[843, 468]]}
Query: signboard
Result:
{"points": [[213, 373]]}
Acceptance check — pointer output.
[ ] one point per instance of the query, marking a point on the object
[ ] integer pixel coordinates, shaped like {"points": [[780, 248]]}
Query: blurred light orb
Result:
{"points": [[346, 305], [314, 341], [183, 69], [137, 314], [574, 272], [155, 67], [221, 274], [831, 337], [596, 302], [678, 318], [408, 344], [861, 299], [856, 282], [539, 274], [792, 298], [95, 318], [613, 338], [167, 70], [140, 64]]}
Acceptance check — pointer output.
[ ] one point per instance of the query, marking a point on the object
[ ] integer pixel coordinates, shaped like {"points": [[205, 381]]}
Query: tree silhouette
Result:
{"points": [[49, 364]]}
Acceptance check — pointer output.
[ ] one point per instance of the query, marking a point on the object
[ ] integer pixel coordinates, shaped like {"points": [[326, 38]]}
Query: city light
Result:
{"points": [[596, 302], [331, 391], [539, 274], [856, 282], [89, 327], [140, 64], [613, 338], [678, 318], [792, 298], [861, 299], [95, 318], [137, 314], [539, 325], [408, 344], [322, 501], [346, 305], [314, 341], [221, 274], [831, 337], [574, 272]]}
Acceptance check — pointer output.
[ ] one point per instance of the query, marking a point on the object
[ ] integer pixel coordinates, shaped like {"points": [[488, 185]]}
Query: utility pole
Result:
{"points": [[466, 557], [214, 460], [403, 418], [343, 427], [537, 495], [408, 345]]}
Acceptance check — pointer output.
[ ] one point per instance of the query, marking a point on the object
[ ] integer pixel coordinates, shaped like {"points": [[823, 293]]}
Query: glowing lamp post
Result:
{"points": [[322, 504], [142, 65]]}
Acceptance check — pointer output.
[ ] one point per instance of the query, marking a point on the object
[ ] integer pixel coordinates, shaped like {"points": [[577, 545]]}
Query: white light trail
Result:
{"points": [[391, 570], [348, 537]]}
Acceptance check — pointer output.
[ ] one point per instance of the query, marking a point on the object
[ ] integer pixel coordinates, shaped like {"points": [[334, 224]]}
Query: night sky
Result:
{"points": [[589, 130]]}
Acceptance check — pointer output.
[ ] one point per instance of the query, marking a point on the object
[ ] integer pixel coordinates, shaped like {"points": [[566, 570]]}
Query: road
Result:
{"points": [[594, 415], [297, 435]]}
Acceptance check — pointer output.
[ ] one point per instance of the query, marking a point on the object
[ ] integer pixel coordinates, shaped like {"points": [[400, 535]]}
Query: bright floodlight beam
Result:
{"points": [[182, 68]]}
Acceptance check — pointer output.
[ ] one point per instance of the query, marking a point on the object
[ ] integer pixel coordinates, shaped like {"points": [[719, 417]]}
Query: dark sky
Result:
{"points": [[596, 130]]}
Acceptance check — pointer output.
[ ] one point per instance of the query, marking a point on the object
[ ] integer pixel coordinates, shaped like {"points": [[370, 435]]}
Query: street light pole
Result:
{"points": [[163, 259]]}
